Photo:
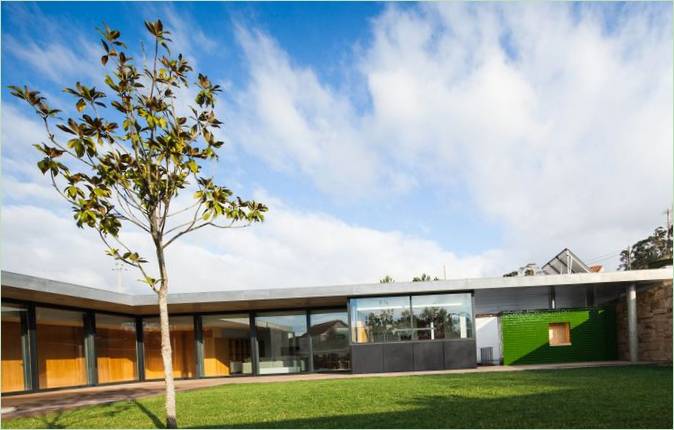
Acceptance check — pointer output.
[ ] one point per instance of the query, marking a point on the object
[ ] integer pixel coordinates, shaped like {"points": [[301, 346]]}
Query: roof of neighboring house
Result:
{"points": [[596, 268], [326, 326], [564, 263]]}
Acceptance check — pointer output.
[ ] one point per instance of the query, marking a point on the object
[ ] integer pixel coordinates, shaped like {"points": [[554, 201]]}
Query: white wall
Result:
{"points": [[488, 333]]}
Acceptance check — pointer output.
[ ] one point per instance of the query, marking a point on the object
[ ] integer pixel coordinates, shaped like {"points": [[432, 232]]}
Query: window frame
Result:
{"points": [[352, 315], [566, 327]]}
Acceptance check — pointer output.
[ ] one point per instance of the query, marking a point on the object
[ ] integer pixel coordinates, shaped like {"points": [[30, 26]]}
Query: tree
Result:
{"points": [[653, 251], [424, 278], [130, 177], [386, 280]]}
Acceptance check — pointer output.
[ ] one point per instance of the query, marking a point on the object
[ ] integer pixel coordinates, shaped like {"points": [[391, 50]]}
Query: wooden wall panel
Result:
{"points": [[216, 355], [60, 351], [12, 359], [182, 348], [116, 355]]}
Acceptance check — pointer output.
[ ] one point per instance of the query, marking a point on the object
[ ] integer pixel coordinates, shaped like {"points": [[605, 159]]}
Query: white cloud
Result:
{"points": [[292, 248], [566, 144]]}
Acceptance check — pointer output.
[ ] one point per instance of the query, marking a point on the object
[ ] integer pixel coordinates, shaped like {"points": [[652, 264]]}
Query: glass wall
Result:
{"points": [[442, 316], [13, 318], [381, 319], [330, 340], [405, 318], [182, 347], [60, 348], [283, 342], [226, 345], [115, 348]]}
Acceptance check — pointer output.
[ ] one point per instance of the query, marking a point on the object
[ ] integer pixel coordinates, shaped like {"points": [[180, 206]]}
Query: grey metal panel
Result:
{"points": [[429, 355], [460, 354], [570, 297], [398, 357], [367, 358], [499, 300]]}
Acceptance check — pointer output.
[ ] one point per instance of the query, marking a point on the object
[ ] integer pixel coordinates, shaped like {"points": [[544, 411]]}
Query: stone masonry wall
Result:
{"points": [[654, 322]]}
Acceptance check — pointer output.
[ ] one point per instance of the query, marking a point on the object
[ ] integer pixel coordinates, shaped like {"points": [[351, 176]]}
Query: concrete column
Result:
{"points": [[632, 335], [552, 300]]}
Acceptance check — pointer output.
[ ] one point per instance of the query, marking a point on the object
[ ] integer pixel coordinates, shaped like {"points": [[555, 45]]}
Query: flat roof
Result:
{"points": [[32, 288]]}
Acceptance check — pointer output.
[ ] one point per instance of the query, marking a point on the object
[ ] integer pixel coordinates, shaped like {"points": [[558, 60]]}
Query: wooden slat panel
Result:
{"points": [[216, 355], [116, 355], [61, 355], [12, 359], [182, 348]]}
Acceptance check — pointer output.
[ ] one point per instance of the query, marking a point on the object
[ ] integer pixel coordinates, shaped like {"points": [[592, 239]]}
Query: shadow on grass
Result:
{"points": [[52, 422], [158, 423]]}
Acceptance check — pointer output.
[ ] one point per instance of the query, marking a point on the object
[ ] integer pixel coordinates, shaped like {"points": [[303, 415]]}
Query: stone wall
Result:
{"points": [[654, 321]]}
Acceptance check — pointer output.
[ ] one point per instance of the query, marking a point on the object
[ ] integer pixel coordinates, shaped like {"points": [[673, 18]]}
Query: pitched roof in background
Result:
{"points": [[565, 262], [596, 268]]}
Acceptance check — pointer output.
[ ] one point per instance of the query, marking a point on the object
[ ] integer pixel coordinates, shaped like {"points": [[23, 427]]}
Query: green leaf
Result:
{"points": [[81, 104]]}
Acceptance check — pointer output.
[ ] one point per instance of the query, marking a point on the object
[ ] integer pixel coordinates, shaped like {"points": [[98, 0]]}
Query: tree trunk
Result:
{"points": [[171, 420]]}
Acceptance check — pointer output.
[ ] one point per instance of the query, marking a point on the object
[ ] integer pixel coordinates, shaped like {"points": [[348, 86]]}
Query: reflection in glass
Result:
{"points": [[404, 318], [442, 316], [330, 340], [226, 345], [282, 341], [182, 347], [381, 319], [60, 348], [12, 356], [115, 348]]}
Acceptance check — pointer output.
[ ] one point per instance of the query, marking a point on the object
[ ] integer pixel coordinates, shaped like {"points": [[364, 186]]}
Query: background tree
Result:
{"points": [[653, 251], [386, 280], [424, 278], [130, 176]]}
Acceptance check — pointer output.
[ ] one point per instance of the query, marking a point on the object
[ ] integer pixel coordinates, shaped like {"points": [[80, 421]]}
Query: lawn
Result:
{"points": [[613, 397]]}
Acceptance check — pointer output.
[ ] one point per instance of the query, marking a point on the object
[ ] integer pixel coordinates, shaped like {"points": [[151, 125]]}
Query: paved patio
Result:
{"points": [[40, 403]]}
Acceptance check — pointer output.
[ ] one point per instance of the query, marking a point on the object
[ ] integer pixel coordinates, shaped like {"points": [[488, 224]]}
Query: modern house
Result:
{"points": [[56, 334]]}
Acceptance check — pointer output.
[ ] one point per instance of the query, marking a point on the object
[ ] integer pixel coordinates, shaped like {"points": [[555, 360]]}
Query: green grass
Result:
{"points": [[614, 397]]}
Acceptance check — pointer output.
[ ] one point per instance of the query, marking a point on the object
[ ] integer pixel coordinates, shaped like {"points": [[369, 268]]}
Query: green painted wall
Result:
{"points": [[525, 336]]}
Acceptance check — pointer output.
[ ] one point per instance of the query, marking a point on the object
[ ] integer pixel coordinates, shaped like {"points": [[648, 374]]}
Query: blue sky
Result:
{"points": [[389, 138]]}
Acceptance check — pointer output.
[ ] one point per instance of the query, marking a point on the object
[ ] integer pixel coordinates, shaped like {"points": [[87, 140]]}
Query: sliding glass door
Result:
{"points": [[60, 348], [13, 373], [330, 340], [226, 345], [283, 342]]}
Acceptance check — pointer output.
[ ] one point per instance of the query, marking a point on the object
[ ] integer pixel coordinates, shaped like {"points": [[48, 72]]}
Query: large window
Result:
{"points": [[330, 340], [405, 318], [381, 319], [13, 318], [442, 316], [60, 348], [182, 347], [115, 348], [226, 345], [283, 342]]}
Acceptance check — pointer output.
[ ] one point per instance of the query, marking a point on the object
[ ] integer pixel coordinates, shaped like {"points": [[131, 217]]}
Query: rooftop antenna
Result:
{"points": [[444, 271], [119, 268], [668, 214]]}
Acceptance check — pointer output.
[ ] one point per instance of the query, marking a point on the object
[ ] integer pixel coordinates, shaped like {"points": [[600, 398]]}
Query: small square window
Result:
{"points": [[559, 334]]}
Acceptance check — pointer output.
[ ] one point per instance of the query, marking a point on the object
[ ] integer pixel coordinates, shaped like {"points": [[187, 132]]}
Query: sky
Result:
{"points": [[400, 139]]}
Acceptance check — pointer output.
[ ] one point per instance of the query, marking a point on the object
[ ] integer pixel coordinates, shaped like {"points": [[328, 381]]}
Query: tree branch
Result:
{"points": [[198, 226]]}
